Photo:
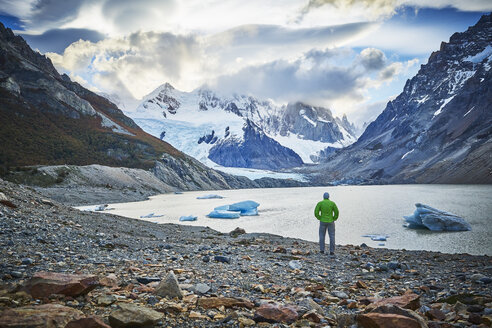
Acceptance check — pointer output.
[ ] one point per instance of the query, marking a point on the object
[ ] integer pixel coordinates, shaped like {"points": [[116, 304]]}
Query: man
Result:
{"points": [[326, 212]]}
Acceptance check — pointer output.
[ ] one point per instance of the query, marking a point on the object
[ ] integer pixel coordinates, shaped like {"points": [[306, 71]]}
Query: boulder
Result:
{"points": [[273, 313], [89, 322], [46, 315], [169, 287], [435, 220], [228, 302], [44, 284], [407, 301], [386, 320], [129, 315], [236, 232], [393, 309]]}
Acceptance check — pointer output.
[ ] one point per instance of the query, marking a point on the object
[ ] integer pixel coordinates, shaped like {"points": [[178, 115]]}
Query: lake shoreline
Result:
{"points": [[43, 235]]}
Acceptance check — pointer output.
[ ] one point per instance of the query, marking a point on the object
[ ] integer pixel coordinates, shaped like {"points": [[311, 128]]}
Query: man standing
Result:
{"points": [[326, 212]]}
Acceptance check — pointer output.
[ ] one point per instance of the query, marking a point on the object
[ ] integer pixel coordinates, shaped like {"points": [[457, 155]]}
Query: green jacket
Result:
{"points": [[326, 211]]}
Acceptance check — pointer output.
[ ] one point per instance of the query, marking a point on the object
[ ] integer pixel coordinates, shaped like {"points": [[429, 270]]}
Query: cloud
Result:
{"points": [[372, 59], [380, 9], [135, 64], [57, 40]]}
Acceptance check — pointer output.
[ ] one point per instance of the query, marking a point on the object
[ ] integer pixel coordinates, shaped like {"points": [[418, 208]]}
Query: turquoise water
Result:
{"points": [[363, 210]]}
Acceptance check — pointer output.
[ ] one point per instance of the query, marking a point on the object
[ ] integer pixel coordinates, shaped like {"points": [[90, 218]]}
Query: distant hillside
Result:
{"points": [[47, 119], [438, 130]]}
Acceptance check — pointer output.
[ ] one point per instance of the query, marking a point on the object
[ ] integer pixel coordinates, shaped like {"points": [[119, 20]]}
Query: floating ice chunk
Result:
{"points": [[377, 237], [435, 220], [151, 215], [223, 214], [188, 218], [178, 192], [210, 196], [247, 207], [381, 244]]}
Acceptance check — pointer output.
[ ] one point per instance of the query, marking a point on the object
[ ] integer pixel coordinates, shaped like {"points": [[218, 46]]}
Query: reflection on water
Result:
{"points": [[363, 210]]}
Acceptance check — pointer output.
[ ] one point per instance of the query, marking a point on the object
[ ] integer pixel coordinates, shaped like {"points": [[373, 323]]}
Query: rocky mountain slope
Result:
{"points": [[438, 130], [239, 130], [46, 119]]}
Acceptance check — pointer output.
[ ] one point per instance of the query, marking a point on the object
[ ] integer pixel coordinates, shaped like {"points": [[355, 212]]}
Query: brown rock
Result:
{"points": [[312, 316], [46, 315], [361, 284], [280, 249], [408, 301], [129, 315], [435, 314], [109, 281], [275, 313], [439, 324], [89, 322], [217, 302], [393, 309], [386, 320], [236, 232], [44, 284]]}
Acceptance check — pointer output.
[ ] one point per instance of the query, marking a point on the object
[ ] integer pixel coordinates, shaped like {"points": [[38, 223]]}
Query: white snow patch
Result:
{"points": [[309, 120], [469, 111], [407, 153], [423, 100], [446, 101], [478, 58], [108, 123]]}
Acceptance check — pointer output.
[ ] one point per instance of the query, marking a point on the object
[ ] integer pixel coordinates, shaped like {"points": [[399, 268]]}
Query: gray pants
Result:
{"points": [[322, 233]]}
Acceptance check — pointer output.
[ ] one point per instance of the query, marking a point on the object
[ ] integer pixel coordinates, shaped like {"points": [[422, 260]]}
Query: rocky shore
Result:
{"points": [[64, 268]]}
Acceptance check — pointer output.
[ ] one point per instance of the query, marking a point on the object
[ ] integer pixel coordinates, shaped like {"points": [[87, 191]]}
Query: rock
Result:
{"points": [[476, 277], [435, 314], [361, 284], [295, 265], [27, 261], [227, 302], [201, 288], [206, 258], [89, 322], [310, 305], [129, 315], [236, 232], [197, 315], [312, 316], [486, 280], [109, 281], [44, 284], [435, 220], [386, 320], [105, 300], [246, 321], [273, 313], [46, 315], [169, 287], [339, 294], [408, 301], [393, 309], [147, 280], [222, 259]]}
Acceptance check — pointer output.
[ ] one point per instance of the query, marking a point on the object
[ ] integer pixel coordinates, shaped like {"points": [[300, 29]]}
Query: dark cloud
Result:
{"points": [[304, 79], [372, 59], [57, 40], [51, 12]]}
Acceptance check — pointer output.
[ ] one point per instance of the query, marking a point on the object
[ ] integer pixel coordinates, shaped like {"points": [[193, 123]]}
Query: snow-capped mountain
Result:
{"points": [[439, 129], [239, 130]]}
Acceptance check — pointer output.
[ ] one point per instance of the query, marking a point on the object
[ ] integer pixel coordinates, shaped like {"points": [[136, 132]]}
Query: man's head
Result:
{"points": [[326, 195]]}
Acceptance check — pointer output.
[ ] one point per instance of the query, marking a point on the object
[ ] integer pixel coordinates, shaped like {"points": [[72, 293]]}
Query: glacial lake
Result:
{"points": [[363, 210]]}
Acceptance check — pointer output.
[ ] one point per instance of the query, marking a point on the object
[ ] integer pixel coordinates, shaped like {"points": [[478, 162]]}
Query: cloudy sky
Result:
{"points": [[349, 55]]}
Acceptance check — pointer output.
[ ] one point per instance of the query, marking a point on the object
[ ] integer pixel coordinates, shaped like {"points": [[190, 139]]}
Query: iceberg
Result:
{"points": [[188, 218], [435, 220], [377, 237], [221, 214], [246, 208], [210, 196]]}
